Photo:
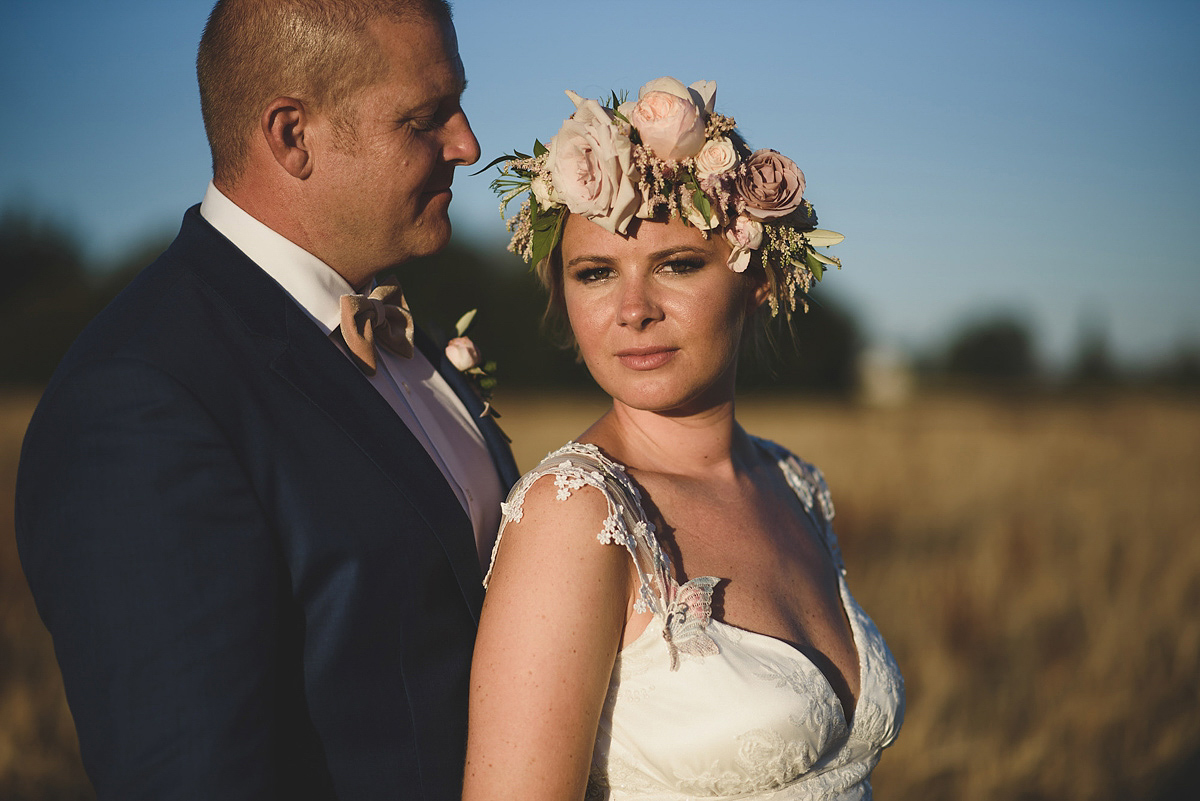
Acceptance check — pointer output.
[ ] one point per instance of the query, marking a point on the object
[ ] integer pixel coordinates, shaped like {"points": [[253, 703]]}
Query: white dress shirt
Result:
{"points": [[421, 398]]}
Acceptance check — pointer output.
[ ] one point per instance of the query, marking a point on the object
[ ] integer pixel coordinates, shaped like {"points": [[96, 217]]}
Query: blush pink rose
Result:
{"points": [[772, 185], [744, 236], [716, 157], [462, 353], [668, 120], [590, 162]]}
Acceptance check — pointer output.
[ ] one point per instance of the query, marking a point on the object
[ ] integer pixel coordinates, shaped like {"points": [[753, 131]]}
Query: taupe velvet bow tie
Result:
{"points": [[379, 319]]}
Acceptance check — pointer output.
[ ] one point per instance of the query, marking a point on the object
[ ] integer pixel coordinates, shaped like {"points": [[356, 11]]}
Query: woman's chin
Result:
{"points": [[671, 402]]}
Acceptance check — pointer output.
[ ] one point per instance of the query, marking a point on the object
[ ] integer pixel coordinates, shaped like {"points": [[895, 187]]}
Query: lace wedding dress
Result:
{"points": [[697, 708]]}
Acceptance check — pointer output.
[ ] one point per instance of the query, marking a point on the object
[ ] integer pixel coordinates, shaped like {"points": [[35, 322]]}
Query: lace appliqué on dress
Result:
{"points": [[809, 485], [686, 610], [577, 465], [688, 616]]}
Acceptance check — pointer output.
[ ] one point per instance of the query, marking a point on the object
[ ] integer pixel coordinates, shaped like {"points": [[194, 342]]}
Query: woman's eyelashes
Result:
{"points": [[679, 266], [589, 275], [676, 266]]}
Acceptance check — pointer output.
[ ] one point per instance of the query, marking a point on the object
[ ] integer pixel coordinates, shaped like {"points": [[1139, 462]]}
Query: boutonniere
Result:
{"points": [[463, 354]]}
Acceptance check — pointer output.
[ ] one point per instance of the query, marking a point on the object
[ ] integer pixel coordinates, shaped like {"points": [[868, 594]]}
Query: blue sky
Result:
{"points": [[1032, 157]]}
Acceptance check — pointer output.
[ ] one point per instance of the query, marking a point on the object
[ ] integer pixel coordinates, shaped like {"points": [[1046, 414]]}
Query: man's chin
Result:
{"points": [[432, 237]]}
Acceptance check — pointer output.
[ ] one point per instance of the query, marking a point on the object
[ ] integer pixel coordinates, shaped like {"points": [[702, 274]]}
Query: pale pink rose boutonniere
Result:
{"points": [[462, 353]]}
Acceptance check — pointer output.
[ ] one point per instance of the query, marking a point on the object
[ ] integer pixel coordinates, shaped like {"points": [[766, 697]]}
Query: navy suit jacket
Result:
{"points": [[258, 584]]}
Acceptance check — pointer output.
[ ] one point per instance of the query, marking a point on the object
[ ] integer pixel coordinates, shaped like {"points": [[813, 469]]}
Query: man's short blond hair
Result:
{"points": [[317, 51]]}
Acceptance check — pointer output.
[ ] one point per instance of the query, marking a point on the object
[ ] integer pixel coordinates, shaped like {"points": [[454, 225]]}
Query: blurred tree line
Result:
{"points": [[999, 352], [50, 292]]}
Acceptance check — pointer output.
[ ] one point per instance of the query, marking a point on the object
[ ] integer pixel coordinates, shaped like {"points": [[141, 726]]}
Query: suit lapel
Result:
{"points": [[301, 355]]}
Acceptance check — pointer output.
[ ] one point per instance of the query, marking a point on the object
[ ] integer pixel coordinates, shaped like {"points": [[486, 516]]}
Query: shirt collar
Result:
{"points": [[312, 283]]}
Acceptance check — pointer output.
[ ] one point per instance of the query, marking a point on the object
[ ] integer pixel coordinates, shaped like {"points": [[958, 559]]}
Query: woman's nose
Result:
{"points": [[638, 306]]}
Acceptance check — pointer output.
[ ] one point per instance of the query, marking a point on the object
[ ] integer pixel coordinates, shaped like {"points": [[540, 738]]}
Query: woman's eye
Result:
{"points": [[590, 274], [683, 265]]}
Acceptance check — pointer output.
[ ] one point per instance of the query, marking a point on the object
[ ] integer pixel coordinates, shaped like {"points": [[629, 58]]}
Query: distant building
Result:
{"points": [[885, 377]]}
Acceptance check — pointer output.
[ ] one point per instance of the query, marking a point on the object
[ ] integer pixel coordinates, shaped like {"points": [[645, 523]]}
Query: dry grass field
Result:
{"points": [[1035, 566]]}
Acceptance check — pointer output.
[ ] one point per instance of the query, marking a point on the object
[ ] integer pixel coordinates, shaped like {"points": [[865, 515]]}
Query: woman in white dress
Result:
{"points": [[667, 614]]}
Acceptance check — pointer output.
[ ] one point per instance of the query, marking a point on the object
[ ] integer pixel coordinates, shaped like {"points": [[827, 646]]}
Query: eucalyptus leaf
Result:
{"points": [[823, 239], [825, 259]]}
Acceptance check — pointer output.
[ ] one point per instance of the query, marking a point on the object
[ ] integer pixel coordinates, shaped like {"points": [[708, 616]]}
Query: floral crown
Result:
{"points": [[668, 151]]}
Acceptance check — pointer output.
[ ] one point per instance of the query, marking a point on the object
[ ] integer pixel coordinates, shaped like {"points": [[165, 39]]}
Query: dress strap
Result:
{"points": [[807, 481], [576, 465]]}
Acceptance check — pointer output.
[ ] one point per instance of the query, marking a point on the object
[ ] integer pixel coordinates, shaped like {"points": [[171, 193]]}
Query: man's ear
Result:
{"points": [[284, 124]]}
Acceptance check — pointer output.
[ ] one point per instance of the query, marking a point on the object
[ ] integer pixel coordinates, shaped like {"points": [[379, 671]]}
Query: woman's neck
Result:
{"points": [[707, 443]]}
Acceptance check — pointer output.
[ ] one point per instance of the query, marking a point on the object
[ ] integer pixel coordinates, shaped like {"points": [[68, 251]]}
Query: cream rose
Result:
{"points": [[716, 157], [544, 192], [702, 93], [772, 185], [590, 161], [462, 353], [744, 237], [669, 120]]}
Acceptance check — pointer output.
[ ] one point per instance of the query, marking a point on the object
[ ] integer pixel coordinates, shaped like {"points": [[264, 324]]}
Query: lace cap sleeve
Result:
{"points": [[808, 483], [577, 465]]}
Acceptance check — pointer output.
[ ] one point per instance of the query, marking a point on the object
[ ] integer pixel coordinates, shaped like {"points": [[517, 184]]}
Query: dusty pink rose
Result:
{"points": [[668, 120], [772, 185], [590, 161], [744, 237], [462, 353]]}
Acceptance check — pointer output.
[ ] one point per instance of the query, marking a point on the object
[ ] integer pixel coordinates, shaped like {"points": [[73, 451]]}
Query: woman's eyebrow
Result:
{"points": [[678, 250], [591, 260]]}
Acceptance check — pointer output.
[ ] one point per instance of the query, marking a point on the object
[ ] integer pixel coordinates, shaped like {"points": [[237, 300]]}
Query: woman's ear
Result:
{"points": [[284, 125], [760, 291]]}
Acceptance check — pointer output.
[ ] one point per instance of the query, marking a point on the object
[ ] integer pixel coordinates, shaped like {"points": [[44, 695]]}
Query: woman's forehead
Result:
{"points": [[581, 235]]}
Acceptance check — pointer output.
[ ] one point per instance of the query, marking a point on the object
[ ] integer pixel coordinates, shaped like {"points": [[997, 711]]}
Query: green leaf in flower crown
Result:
{"points": [[539, 148], [500, 160], [702, 204], [823, 239], [814, 265], [825, 258], [700, 200], [547, 228]]}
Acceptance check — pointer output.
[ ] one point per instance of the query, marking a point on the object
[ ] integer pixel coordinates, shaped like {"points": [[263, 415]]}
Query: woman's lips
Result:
{"points": [[650, 358]]}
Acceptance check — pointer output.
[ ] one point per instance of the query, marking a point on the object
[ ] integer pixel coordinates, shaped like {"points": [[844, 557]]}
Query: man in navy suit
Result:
{"points": [[259, 556]]}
